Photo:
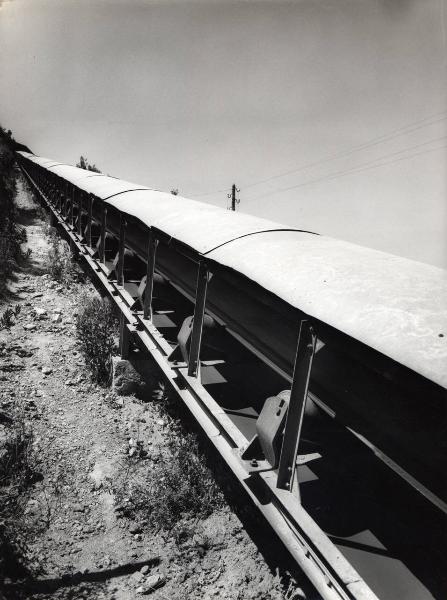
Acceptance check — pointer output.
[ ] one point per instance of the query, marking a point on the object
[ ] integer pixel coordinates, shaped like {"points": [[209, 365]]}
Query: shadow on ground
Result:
{"points": [[21, 589]]}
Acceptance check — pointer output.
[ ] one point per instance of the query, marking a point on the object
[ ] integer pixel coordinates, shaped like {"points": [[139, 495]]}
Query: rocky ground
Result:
{"points": [[79, 538]]}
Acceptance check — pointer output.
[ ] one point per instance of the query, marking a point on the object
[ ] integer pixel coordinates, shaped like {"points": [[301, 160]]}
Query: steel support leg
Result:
{"points": [[66, 201], [73, 194], [121, 249], [298, 395], [124, 338], [89, 221], [148, 292], [102, 246], [80, 214], [199, 313]]}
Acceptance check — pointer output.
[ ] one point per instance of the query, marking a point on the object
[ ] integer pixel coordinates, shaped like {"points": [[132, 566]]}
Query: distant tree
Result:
{"points": [[7, 138], [6, 133], [84, 164], [174, 192]]}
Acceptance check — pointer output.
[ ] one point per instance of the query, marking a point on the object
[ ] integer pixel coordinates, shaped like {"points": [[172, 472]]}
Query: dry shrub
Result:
{"points": [[11, 234], [16, 475], [9, 316], [60, 260], [96, 329], [177, 485], [180, 484]]}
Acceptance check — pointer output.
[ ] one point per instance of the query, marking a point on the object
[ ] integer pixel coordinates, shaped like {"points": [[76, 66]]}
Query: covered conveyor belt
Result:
{"points": [[316, 367]]}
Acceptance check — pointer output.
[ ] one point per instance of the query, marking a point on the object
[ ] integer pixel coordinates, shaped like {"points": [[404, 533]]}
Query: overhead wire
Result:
{"points": [[358, 168], [373, 142], [228, 189], [395, 133]]}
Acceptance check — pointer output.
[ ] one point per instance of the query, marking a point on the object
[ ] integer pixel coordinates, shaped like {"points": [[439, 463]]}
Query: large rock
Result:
{"points": [[137, 377]]}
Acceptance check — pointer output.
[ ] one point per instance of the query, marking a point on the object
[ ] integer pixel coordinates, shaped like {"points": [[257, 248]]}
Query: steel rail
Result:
{"points": [[328, 570]]}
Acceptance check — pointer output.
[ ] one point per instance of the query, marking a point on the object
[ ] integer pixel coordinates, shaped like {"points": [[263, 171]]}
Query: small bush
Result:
{"points": [[96, 329], [8, 318], [11, 234], [16, 475], [14, 459], [60, 259], [178, 485]]}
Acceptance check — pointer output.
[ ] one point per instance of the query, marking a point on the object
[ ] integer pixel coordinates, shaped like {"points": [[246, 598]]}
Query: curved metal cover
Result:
{"points": [[72, 174], [395, 305], [105, 186], [200, 226], [40, 160], [25, 154]]}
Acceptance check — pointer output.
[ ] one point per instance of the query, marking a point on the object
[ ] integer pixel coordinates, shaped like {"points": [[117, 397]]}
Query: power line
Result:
{"points": [[373, 142], [390, 162], [211, 193], [359, 168], [405, 129]]}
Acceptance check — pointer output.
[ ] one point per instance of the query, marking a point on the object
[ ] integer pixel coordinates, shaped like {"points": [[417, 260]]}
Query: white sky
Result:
{"points": [[198, 95]]}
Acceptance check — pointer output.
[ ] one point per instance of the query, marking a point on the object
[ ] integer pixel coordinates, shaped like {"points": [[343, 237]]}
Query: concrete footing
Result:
{"points": [[134, 377]]}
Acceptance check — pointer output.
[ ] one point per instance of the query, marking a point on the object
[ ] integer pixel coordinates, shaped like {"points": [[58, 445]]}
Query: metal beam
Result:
{"points": [[67, 202], [150, 268], [199, 313], [89, 221], [121, 249], [80, 194], [73, 195], [124, 337], [102, 246], [297, 403]]}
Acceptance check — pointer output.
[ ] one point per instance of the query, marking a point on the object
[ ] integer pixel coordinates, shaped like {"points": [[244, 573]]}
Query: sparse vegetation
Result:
{"points": [[11, 234], [8, 318], [177, 485], [60, 260], [96, 329], [16, 475], [15, 466]]}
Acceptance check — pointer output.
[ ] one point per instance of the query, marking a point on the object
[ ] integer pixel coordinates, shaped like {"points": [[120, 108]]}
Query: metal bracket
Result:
{"points": [[297, 403], [124, 343], [199, 314], [149, 288], [80, 194], [263, 451], [181, 353], [278, 427], [89, 220], [73, 195], [102, 243], [121, 250]]}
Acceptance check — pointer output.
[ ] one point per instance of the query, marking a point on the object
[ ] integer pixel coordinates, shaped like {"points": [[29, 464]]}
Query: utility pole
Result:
{"points": [[233, 198]]}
